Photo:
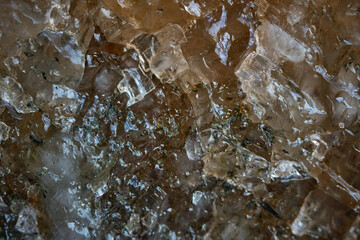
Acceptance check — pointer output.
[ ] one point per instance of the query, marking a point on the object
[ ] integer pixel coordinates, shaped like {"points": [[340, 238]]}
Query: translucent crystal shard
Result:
{"points": [[275, 43], [193, 148], [135, 84], [323, 216], [12, 93], [4, 131], [26, 222], [147, 45], [254, 71], [285, 168], [169, 63], [115, 28], [266, 87], [238, 166], [162, 52], [57, 161], [60, 59]]}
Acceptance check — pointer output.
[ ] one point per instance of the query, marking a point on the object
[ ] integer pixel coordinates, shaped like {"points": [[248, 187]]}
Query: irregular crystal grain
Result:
{"points": [[135, 84], [4, 131], [27, 222], [323, 216], [238, 166], [12, 92], [275, 43], [162, 52]]}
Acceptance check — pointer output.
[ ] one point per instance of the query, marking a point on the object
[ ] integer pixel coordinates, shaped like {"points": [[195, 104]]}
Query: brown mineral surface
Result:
{"points": [[180, 119]]}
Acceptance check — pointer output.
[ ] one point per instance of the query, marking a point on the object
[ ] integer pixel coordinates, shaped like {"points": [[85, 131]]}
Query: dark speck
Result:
{"points": [[35, 140], [227, 186], [28, 54], [43, 74], [268, 208]]}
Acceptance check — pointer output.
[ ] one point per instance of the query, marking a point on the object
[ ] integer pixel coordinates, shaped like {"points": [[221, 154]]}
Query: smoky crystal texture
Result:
{"points": [[180, 119]]}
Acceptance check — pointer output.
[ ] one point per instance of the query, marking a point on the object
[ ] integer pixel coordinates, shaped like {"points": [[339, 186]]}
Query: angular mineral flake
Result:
{"points": [[135, 84]]}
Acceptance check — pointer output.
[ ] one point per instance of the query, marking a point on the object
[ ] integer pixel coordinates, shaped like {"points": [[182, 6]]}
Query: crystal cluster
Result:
{"points": [[180, 119]]}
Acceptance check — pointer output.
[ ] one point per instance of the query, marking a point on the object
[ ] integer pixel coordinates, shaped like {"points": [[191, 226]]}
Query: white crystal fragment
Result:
{"points": [[169, 63], [266, 89], [170, 35], [193, 8], [4, 131], [135, 84], [70, 50], [196, 197], [238, 166], [27, 222], [66, 98], [275, 43], [12, 93], [193, 149], [284, 168]]}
